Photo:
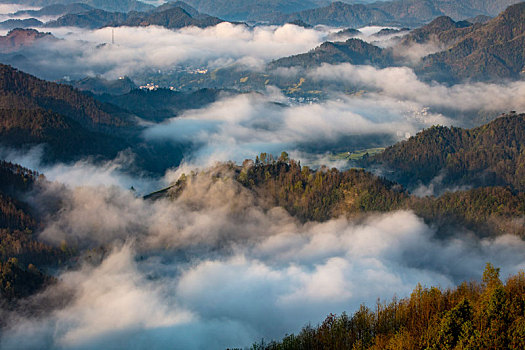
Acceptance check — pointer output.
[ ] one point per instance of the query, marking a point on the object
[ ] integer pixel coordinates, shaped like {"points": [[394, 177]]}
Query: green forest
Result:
{"points": [[490, 155], [323, 194]]}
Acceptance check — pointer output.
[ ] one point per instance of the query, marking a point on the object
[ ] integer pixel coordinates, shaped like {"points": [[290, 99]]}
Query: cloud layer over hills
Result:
{"points": [[212, 269]]}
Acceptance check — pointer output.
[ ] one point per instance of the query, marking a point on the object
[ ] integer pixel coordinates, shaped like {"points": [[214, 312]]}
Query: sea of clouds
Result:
{"points": [[213, 269]]}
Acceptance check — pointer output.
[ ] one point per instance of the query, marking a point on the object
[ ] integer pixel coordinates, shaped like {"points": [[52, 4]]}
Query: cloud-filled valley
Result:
{"points": [[89, 52], [214, 271], [397, 106], [277, 199]]}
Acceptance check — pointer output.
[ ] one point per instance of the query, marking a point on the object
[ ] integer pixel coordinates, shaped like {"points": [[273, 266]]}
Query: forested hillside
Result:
{"points": [[19, 90], [442, 29], [474, 315], [161, 104], [171, 18], [490, 51], [64, 138], [95, 18], [466, 51], [323, 194], [22, 257], [18, 38], [71, 124], [490, 155]]}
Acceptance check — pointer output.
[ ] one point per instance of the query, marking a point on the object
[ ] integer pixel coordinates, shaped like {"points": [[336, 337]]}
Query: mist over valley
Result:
{"points": [[262, 175]]}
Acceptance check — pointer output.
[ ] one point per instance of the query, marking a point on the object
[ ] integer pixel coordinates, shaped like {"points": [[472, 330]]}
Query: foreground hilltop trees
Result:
{"points": [[486, 315]]}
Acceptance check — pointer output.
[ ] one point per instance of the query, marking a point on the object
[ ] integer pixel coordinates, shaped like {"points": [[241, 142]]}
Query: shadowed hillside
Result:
{"points": [[492, 154]]}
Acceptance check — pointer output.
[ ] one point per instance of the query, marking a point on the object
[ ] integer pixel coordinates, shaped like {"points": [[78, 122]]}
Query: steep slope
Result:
{"points": [[492, 51], [22, 91], [14, 180], [442, 29], [64, 139], [171, 4], [493, 154], [72, 124], [21, 254]]}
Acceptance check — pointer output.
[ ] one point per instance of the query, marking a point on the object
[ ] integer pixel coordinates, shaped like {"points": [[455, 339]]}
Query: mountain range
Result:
{"points": [[469, 52], [169, 16], [55, 10], [491, 51], [410, 13], [108, 5], [246, 10]]}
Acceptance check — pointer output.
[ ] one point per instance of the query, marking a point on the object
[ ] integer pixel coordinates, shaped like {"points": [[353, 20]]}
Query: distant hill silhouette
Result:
{"points": [[401, 12], [108, 5], [354, 51], [169, 17]]}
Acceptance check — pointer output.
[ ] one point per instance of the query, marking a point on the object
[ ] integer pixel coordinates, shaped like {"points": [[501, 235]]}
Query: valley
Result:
{"points": [[262, 174]]}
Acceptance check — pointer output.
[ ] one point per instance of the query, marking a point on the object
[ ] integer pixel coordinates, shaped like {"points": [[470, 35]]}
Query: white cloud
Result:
{"points": [[277, 277], [403, 84], [240, 127], [139, 49]]}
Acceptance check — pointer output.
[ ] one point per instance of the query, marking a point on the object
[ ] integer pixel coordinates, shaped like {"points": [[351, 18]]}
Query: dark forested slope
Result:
{"points": [[21, 256], [492, 154], [19, 90], [72, 124]]}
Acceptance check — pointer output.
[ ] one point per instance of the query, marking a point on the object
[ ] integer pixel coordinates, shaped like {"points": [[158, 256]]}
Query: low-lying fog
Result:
{"points": [[212, 269]]}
